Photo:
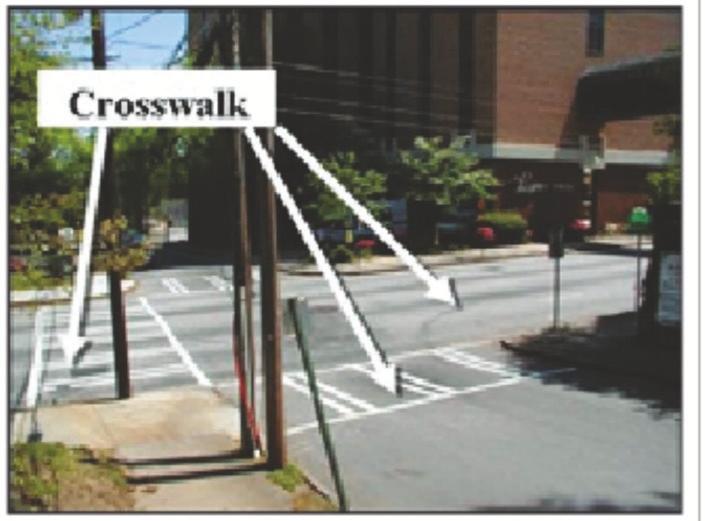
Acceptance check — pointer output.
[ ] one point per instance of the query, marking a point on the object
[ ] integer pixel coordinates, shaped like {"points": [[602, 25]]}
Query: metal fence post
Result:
{"points": [[299, 315]]}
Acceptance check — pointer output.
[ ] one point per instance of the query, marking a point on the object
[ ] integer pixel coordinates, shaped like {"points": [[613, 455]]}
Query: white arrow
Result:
{"points": [[439, 288], [71, 341], [384, 374]]}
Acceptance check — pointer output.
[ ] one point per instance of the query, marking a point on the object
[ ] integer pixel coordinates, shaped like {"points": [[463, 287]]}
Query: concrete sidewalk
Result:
{"points": [[180, 448]]}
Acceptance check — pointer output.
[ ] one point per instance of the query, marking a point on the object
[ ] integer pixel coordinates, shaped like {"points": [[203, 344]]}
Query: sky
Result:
{"points": [[136, 38]]}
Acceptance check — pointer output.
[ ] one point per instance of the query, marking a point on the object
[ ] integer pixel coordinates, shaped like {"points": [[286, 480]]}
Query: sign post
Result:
{"points": [[556, 251], [639, 222]]}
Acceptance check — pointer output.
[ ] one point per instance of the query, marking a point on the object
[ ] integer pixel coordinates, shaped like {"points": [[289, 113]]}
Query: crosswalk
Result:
{"points": [[200, 284], [156, 358]]}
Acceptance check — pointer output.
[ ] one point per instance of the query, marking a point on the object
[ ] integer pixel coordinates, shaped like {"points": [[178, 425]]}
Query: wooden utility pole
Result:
{"points": [[243, 340], [269, 282], [108, 205]]}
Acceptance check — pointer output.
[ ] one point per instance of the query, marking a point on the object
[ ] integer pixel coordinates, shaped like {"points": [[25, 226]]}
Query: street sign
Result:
{"points": [[639, 219], [156, 98]]}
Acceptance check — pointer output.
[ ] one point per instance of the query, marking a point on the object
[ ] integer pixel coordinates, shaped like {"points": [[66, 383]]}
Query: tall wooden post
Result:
{"points": [[243, 349], [271, 332], [107, 207]]}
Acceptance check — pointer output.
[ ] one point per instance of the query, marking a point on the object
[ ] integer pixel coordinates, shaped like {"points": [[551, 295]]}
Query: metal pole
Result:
{"points": [[107, 208], [297, 311], [557, 293], [638, 272], [271, 333]]}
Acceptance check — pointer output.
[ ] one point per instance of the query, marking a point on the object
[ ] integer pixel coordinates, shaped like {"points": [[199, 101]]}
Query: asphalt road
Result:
{"points": [[476, 428]]}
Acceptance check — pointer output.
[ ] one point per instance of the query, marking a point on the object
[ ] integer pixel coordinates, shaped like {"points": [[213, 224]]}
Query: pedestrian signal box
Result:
{"points": [[555, 243]]}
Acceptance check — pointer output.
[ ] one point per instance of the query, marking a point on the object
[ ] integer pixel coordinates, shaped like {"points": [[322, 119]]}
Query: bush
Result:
{"points": [[341, 254], [509, 226]]}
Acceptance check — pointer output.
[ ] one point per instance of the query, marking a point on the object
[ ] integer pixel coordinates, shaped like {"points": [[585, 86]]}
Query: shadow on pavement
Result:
{"points": [[610, 357]]}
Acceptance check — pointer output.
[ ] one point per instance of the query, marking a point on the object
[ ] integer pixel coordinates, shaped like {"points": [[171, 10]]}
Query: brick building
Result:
{"points": [[559, 103]]}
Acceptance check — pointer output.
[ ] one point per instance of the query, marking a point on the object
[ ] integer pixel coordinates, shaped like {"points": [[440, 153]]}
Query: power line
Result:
{"points": [[134, 25]]}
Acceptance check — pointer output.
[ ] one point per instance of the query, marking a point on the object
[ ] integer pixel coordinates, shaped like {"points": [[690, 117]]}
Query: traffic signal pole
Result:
{"points": [[107, 206]]}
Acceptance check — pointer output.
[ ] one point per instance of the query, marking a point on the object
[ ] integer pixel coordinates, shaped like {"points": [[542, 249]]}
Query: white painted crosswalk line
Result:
{"points": [[108, 378], [107, 357], [219, 283], [473, 362], [342, 395], [302, 388], [174, 286], [421, 382]]}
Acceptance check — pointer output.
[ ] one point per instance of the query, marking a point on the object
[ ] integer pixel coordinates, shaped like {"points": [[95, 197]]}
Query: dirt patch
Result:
{"points": [[53, 477]]}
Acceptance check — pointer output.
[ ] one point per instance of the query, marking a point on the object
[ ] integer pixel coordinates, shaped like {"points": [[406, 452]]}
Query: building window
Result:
{"points": [[596, 32]]}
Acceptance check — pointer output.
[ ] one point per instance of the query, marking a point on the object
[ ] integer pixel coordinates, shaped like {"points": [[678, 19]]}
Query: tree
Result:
{"points": [[41, 160], [445, 175], [665, 185], [367, 186]]}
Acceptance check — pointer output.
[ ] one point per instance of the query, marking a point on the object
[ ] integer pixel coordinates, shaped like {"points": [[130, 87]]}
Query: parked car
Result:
{"points": [[577, 229]]}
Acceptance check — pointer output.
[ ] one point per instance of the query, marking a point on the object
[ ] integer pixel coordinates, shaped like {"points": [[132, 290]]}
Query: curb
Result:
{"points": [[311, 270], [47, 300]]}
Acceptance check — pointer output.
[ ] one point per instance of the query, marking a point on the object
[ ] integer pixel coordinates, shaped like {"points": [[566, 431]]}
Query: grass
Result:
{"points": [[287, 478], [54, 477], [36, 279]]}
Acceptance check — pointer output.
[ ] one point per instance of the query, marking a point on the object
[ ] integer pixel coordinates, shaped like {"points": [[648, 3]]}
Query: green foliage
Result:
{"points": [[445, 175], [35, 222], [340, 254], [40, 160], [111, 254], [34, 472], [367, 186], [509, 226], [665, 186], [39, 471], [287, 478]]}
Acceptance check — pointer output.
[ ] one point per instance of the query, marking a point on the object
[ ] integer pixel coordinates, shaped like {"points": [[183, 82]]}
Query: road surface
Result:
{"points": [[476, 429]]}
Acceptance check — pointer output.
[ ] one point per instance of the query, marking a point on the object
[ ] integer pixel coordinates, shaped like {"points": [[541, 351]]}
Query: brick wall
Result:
{"points": [[540, 56]]}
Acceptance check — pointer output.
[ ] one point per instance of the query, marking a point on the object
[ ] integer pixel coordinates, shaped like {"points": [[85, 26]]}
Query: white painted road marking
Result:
{"points": [[174, 286], [35, 371], [200, 377], [303, 389], [108, 377], [218, 283], [105, 357]]}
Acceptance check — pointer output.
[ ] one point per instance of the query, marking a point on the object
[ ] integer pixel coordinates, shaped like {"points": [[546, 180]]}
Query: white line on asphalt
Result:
{"points": [[425, 383], [168, 284], [342, 409], [454, 358], [106, 357], [200, 377], [108, 377], [35, 371], [407, 405], [405, 383], [108, 339], [219, 283], [178, 285], [362, 404]]}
